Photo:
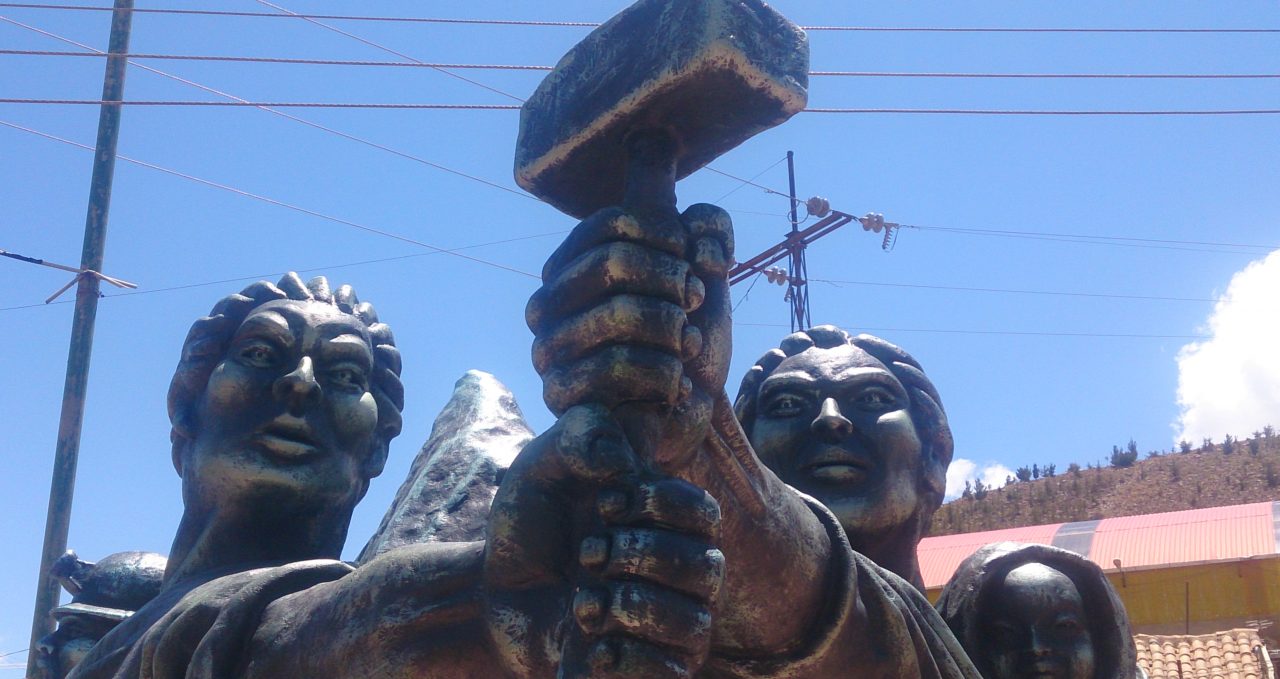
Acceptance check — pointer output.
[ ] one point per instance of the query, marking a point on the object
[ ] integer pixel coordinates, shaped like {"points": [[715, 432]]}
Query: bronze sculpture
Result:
{"points": [[283, 404], [854, 422], [103, 595], [1024, 610]]}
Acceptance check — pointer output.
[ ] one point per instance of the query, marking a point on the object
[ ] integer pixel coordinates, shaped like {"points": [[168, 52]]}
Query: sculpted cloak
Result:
{"points": [[418, 611]]}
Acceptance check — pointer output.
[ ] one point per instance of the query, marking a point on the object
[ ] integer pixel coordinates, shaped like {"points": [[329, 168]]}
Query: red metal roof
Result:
{"points": [[1146, 541], [1192, 536], [941, 556]]}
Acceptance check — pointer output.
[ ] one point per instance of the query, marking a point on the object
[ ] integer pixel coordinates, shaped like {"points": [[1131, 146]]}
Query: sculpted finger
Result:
{"points": [[644, 611], [621, 658], [668, 559], [604, 271], [168, 646], [526, 540], [614, 375], [668, 502], [711, 237], [625, 319], [614, 224]]}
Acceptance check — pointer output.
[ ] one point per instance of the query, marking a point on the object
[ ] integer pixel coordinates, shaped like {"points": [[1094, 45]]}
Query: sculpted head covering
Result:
{"points": [[968, 604]]}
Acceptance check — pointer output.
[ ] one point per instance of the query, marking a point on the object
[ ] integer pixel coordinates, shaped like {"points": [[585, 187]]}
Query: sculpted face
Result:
{"points": [[287, 414], [1038, 627], [835, 424]]}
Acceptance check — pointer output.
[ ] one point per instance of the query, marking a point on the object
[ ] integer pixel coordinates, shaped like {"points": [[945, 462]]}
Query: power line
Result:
{"points": [[282, 114], [745, 182], [265, 104], [282, 60], [523, 67], [1013, 291], [513, 107], [1130, 76], [278, 203], [1015, 333], [1123, 240], [267, 276], [592, 24], [386, 49], [1060, 112]]}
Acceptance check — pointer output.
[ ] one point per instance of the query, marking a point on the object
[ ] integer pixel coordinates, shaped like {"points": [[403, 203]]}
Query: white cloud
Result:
{"points": [[992, 474], [1230, 383]]}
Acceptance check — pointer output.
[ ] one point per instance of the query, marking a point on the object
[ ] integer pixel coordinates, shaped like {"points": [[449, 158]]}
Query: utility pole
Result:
{"points": [[797, 283], [86, 311], [793, 245]]}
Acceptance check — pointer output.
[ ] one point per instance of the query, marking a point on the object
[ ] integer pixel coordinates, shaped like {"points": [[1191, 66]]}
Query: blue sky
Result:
{"points": [[1025, 377]]}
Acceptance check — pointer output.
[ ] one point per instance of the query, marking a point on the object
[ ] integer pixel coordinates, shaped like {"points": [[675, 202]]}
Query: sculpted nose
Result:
{"points": [[299, 389], [1039, 644], [830, 424]]}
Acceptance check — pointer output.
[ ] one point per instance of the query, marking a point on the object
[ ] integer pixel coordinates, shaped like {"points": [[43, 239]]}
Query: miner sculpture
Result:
{"points": [[633, 340]]}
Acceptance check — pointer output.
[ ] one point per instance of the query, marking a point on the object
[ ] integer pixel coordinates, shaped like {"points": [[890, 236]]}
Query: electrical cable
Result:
{"points": [[839, 283], [1117, 239], [593, 24], [1060, 112], [522, 67], [279, 60], [386, 49], [265, 104], [268, 276], [744, 182], [1016, 333], [1104, 76], [278, 203], [282, 114]]}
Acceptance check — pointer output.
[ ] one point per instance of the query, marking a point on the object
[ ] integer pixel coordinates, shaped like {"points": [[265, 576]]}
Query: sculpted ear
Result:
{"points": [[935, 436]]}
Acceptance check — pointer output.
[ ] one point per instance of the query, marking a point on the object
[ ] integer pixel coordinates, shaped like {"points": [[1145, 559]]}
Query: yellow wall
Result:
{"points": [[1229, 592]]}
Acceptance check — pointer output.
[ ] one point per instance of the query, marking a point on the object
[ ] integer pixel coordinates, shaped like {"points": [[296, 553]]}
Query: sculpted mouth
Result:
{"points": [[840, 466], [288, 438]]}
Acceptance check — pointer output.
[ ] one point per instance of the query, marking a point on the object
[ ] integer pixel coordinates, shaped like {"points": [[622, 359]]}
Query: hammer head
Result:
{"points": [[710, 72]]}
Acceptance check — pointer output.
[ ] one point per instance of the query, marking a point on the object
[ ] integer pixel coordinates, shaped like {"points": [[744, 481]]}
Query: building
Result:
{"points": [[1195, 581]]}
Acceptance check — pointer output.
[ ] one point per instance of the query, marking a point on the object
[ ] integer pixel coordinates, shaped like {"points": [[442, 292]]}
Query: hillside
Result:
{"points": [[1246, 470]]}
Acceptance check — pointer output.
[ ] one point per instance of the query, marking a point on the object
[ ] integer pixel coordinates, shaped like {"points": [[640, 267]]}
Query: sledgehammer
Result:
{"points": [[646, 99]]}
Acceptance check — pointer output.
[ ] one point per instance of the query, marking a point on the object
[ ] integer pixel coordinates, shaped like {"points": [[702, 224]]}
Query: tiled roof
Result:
{"points": [[1221, 655]]}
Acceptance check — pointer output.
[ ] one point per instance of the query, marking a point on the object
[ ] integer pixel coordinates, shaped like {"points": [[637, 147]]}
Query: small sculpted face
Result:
{"points": [[836, 424], [60, 652], [287, 414], [1037, 627]]}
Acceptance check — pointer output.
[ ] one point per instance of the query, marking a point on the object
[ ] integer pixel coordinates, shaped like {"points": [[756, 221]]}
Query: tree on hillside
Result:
{"points": [[1228, 444], [1255, 444], [1268, 432], [1024, 474], [1050, 470], [1035, 471], [1206, 445], [979, 490], [1184, 446], [1073, 469], [968, 491], [1124, 458]]}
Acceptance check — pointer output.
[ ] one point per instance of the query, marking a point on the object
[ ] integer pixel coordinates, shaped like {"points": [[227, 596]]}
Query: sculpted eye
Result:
{"points": [[876, 399], [258, 354], [1068, 625], [785, 405], [348, 379]]}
